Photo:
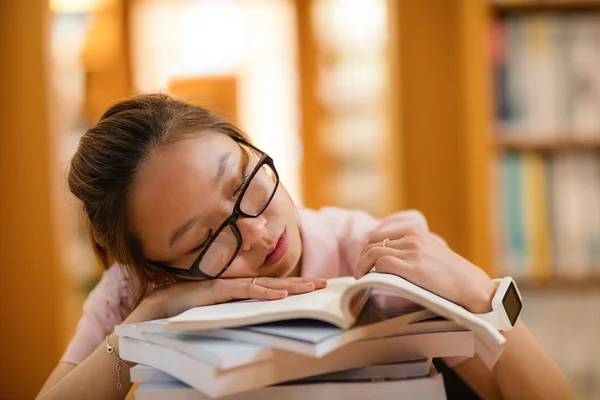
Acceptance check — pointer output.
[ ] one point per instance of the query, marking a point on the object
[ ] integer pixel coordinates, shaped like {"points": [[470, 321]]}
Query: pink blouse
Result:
{"points": [[332, 239]]}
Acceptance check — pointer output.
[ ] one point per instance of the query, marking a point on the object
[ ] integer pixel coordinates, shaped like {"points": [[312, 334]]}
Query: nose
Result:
{"points": [[252, 230]]}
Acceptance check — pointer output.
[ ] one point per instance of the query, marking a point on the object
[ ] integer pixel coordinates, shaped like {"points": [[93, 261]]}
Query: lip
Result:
{"points": [[277, 252]]}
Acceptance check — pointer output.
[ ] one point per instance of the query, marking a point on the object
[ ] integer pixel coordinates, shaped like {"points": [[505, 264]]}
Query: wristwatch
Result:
{"points": [[506, 305]]}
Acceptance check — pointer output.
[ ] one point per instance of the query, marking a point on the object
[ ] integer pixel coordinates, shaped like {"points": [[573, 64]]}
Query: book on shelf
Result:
{"points": [[547, 90], [426, 388], [549, 209], [546, 84]]}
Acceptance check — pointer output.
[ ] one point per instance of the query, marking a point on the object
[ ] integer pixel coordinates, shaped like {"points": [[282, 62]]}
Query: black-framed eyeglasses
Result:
{"points": [[223, 246]]}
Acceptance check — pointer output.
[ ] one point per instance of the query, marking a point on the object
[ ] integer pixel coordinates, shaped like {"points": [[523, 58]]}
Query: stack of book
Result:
{"points": [[352, 339]]}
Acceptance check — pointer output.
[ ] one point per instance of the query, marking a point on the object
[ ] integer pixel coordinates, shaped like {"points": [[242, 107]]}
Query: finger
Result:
{"points": [[319, 283], [227, 290], [396, 266], [296, 286], [368, 260], [265, 293], [379, 237], [404, 243]]}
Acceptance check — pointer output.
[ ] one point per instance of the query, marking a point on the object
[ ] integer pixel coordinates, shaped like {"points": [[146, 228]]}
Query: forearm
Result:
{"points": [[94, 378], [524, 371]]}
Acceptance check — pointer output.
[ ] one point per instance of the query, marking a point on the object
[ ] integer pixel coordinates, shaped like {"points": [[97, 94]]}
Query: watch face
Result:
{"points": [[512, 304]]}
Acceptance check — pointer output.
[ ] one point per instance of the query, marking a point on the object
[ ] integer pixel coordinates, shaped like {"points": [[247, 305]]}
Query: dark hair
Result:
{"points": [[104, 168]]}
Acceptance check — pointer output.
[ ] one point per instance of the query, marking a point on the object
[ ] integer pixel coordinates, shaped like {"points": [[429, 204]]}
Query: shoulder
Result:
{"points": [[112, 287], [333, 237], [344, 221], [109, 302]]}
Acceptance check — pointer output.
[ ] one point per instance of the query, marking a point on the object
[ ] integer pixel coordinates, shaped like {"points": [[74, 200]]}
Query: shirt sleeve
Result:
{"points": [[106, 306]]}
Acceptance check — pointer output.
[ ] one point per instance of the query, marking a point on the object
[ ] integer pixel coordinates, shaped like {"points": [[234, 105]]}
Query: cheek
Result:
{"points": [[281, 206]]}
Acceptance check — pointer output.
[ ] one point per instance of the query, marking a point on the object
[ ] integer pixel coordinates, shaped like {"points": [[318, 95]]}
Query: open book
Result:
{"points": [[338, 304], [308, 337]]}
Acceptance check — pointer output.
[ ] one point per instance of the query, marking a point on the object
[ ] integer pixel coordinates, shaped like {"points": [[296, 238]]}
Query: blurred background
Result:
{"points": [[484, 115]]}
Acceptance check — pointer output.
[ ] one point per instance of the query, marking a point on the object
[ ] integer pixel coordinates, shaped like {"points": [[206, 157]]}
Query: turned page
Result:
{"points": [[492, 341]]}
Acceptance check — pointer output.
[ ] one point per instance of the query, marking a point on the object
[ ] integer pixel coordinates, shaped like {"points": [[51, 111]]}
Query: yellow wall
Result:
{"points": [[29, 284]]}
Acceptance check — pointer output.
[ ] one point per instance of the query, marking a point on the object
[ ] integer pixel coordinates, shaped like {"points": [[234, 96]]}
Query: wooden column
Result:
{"points": [[475, 66], [430, 121], [314, 161], [30, 280]]}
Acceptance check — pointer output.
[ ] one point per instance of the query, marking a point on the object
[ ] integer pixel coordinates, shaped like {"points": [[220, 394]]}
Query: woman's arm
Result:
{"points": [[59, 372], [524, 371], [96, 376]]}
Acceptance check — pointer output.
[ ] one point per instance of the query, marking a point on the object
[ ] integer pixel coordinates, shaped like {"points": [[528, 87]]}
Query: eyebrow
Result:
{"points": [[223, 161], [181, 230]]}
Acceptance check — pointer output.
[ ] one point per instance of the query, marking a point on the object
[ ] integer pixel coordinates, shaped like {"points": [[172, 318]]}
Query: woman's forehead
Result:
{"points": [[178, 181], [200, 149], [197, 160]]}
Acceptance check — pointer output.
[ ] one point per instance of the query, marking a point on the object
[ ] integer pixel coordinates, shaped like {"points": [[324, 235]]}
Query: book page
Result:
{"points": [[308, 305], [490, 338]]}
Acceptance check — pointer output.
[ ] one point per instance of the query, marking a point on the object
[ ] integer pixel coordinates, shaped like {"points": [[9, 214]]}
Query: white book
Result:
{"points": [[585, 87], [309, 337], [540, 83], [427, 388], [146, 373], [217, 382], [220, 353], [392, 371], [339, 304], [570, 213], [318, 340]]}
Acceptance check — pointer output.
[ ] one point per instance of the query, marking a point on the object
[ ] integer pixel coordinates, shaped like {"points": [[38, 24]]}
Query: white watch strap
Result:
{"points": [[496, 318]]}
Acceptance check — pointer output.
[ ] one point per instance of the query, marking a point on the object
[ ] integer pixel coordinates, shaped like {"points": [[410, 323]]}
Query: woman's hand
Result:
{"points": [[418, 257], [176, 298]]}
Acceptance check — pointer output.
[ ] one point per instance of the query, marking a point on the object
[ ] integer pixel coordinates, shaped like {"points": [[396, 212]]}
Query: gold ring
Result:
{"points": [[254, 280], [385, 242]]}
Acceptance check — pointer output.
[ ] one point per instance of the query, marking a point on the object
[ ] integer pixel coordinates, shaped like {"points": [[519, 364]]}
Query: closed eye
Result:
{"points": [[199, 248], [244, 181]]}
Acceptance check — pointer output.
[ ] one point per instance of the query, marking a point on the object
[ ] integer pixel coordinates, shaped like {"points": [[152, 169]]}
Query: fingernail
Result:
{"points": [[308, 285], [321, 283]]}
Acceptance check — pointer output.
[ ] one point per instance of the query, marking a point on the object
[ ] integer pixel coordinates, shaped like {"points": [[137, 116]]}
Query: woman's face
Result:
{"points": [[185, 191]]}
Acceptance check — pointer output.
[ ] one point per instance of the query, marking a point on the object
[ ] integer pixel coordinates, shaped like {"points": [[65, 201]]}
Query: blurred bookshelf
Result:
{"points": [[473, 142], [583, 285], [543, 58], [561, 5], [345, 102], [532, 151], [507, 144]]}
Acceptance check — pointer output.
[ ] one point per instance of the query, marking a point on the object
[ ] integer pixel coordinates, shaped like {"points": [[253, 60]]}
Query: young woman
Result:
{"points": [[189, 213]]}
